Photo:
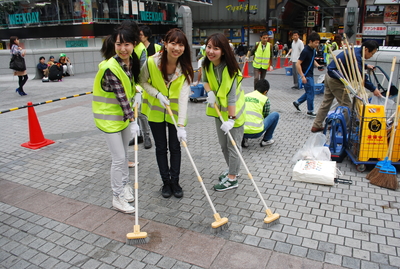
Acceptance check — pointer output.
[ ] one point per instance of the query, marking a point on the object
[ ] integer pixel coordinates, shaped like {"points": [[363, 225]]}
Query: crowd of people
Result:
{"points": [[156, 80], [53, 70]]}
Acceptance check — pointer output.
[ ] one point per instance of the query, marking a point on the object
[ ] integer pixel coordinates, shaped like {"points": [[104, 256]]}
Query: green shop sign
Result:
{"points": [[24, 18], [151, 16], [76, 43]]}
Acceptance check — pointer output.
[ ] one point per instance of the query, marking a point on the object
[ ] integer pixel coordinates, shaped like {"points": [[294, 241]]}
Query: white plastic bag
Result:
{"points": [[313, 149], [311, 171], [390, 105]]}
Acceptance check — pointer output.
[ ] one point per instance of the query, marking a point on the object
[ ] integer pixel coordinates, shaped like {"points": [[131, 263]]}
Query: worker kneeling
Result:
{"points": [[258, 119]]}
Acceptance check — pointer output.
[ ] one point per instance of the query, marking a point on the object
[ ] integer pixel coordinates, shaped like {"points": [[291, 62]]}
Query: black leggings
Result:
{"points": [[21, 81]]}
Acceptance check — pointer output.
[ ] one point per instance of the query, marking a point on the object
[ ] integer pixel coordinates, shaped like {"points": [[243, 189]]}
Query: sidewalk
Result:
{"points": [[55, 202]]}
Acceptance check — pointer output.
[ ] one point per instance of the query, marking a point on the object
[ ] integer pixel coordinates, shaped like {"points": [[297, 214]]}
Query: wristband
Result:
{"points": [[232, 117]]}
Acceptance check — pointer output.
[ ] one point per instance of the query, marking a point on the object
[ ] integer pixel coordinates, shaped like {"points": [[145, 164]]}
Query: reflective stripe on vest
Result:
{"points": [[254, 119], [222, 91], [151, 106], [262, 57], [107, 111]]}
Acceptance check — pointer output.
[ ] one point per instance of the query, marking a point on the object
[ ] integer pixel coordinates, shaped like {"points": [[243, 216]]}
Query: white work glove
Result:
{"points": [[138, 99], [246, 58], [163, 100], [211, 98], [135, 129], [227, 125], [181, 133]]}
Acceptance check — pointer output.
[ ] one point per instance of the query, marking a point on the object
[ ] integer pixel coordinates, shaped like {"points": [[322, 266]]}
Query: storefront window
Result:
{"points": [[42, 12], [374, 14]]}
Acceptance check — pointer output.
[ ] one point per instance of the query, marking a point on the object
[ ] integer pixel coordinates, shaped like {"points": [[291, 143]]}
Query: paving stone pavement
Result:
{"points": [[55, 202]]}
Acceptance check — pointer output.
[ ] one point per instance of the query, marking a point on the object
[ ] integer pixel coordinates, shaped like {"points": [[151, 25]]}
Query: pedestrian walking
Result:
{"points": [[262, 52], [222, 80], [305, 68], [16, 50], [113, 92], [166, 78], [294, 52]]}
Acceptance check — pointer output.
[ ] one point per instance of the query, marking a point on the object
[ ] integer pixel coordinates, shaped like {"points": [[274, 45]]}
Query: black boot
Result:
{"points": [[166, 191], [176, 189], [147, 142], [139, 139]]}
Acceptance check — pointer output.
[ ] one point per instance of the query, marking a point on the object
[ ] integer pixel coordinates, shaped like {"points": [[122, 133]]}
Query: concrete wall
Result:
{"points": [[84, 60]]}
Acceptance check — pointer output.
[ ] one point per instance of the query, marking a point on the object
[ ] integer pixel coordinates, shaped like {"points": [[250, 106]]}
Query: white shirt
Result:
{"points": [[184, 95], [297, 47]]}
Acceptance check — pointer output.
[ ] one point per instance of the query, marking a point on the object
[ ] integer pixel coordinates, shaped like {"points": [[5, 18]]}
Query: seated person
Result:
{"points": [[42, 66], [55, 71], [51, 59], [66, 64], [258, 119]]}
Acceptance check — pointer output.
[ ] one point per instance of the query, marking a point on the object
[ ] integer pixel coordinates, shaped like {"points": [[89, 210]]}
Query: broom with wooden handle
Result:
{"points": [[137, 237], [271, 218], [378, 166], [219, 223], [386, 177]]}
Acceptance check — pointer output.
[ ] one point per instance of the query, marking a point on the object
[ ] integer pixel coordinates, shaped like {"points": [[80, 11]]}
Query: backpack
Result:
{"points": [[55, 72]]}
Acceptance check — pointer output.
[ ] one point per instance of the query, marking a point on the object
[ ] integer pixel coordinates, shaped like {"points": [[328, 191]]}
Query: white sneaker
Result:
{"points": [[128, 193], [122, 205], [266, 143]]}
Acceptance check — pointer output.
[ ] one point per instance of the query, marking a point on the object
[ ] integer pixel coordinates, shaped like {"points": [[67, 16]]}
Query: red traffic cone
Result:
{"points": [[286, 62], [278, 62], [246, 70], [36, 137]]}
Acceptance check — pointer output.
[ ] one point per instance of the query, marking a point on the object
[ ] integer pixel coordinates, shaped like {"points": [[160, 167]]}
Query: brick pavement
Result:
{"points": [[353, 226]]}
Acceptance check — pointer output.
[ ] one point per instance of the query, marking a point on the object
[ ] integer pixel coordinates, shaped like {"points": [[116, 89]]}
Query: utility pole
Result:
{"points": [[248, 24]]}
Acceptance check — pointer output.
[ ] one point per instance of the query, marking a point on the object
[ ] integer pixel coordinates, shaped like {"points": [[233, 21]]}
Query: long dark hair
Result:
{"points": [[128, 32], [108, 48], [12, 40], [220, 41], [178, 36]]}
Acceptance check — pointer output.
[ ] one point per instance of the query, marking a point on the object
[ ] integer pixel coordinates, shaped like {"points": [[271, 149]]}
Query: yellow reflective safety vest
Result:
{"points": [[139, 48], [157, 47], [151, 106], [262, 57], [222, 90], [254, 119], [107, 111]]}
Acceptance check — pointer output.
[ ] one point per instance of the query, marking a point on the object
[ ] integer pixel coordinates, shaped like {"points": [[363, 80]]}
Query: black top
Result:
{"points": [[306, 56], [151, 50]]}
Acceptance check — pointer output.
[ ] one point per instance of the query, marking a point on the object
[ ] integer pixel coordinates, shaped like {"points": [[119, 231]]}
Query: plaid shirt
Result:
{"points": [[111, 83], [266, 108]]}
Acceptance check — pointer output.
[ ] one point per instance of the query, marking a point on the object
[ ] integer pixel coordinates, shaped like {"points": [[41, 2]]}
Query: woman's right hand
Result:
{"points": [[163, 100]]}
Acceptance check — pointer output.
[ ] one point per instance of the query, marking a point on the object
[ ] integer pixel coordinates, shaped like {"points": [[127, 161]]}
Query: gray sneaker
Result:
{"points": [[266, 143]]}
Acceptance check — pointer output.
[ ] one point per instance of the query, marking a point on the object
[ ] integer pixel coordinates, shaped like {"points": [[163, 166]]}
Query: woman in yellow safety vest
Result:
{"points": [[166, 77], [113, 94], [222, 80]]}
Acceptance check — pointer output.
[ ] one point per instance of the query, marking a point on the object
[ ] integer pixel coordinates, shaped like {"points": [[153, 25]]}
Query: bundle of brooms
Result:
{"points": [[384, 174]]}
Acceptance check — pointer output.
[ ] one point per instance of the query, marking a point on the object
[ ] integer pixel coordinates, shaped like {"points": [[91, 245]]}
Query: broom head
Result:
{"points": [[271, 218], [386, 178], [218, 221]]}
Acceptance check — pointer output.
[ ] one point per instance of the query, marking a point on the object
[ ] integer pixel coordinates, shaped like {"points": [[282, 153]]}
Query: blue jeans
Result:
{"points": [[308, 95], [270, 123]]}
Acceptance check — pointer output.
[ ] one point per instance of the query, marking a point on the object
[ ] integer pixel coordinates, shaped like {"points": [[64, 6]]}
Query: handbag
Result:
{"points": [[17, 63]]}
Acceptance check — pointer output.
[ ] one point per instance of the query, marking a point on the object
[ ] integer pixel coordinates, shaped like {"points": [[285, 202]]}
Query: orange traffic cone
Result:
{"points": [[286, 62], [278, 62], [36, 137], [246, 70]]}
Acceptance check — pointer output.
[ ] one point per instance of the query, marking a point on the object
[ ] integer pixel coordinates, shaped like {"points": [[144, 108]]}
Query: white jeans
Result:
{"points": [[68, 69], [118, 146]]}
